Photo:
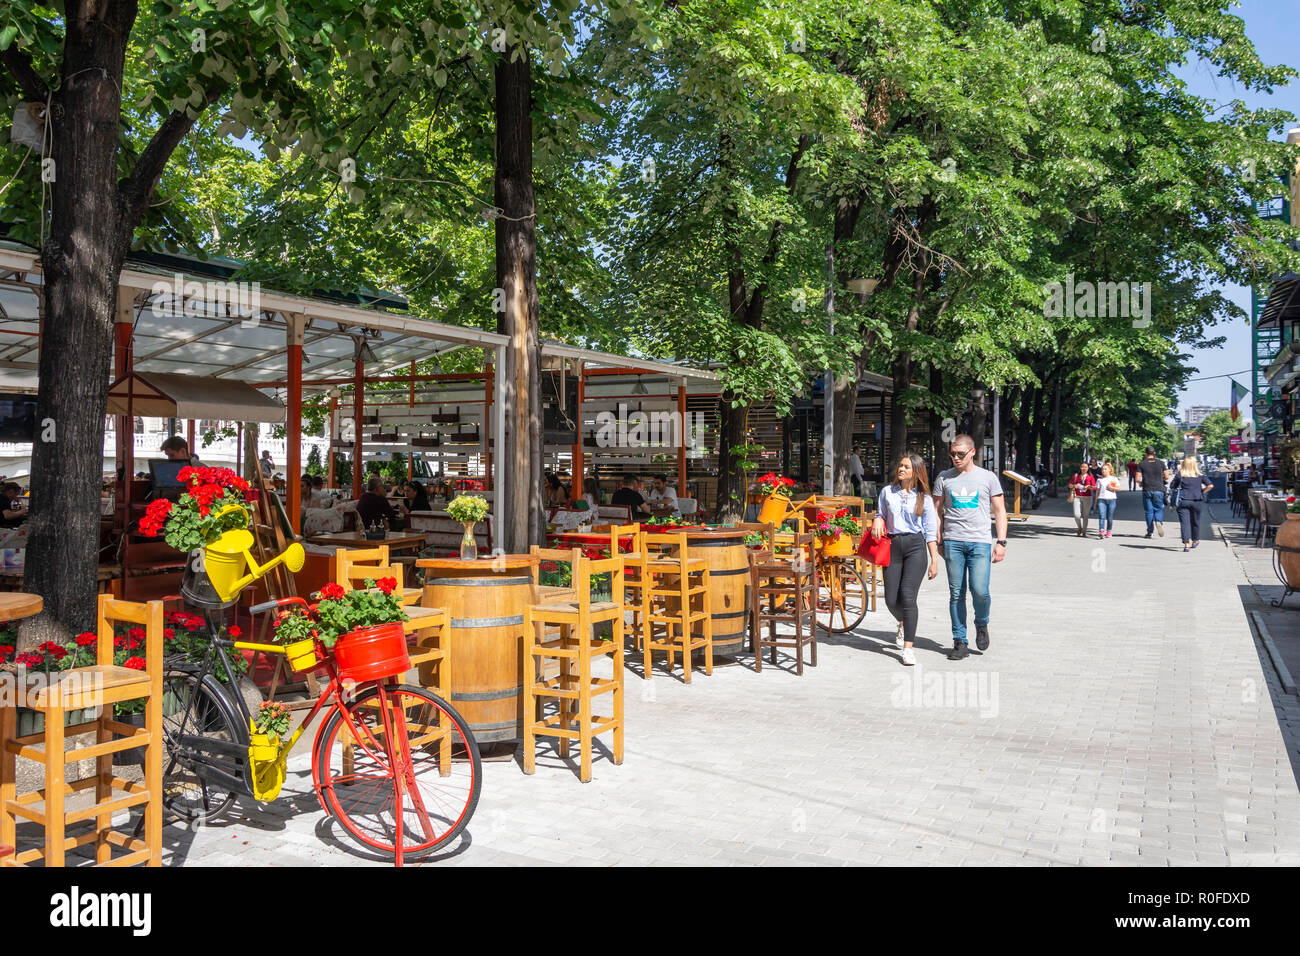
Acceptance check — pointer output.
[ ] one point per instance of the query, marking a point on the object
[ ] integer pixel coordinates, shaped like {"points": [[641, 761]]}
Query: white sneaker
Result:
{"points": [[898, 638], [909, 656], [1160, 528]]}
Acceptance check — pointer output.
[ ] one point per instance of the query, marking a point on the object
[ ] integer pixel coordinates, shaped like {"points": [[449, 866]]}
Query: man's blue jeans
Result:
{"points": [[1153, 504], [968, 564]]}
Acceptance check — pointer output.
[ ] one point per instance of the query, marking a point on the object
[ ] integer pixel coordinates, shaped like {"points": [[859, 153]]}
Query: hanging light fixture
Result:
{"points": [[639, 388]]}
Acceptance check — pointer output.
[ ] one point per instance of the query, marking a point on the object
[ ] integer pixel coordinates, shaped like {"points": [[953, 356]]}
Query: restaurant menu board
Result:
{"points": [[17, 417]]}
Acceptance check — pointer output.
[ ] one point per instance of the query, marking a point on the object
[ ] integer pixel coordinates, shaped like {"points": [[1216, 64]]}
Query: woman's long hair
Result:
{"points": [[920, 477], [1189, 467]]}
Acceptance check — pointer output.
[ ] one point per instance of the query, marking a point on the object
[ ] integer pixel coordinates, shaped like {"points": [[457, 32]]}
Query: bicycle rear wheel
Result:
{"points": [[411, 782], [206, 747], [841, 597]]}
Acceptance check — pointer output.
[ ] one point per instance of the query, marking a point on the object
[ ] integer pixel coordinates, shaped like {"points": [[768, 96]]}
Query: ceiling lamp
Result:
{"points": [[639, 388]]}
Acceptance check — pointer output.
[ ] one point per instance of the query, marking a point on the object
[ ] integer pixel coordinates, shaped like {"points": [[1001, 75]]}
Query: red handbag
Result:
{"points": [[877, 552]]}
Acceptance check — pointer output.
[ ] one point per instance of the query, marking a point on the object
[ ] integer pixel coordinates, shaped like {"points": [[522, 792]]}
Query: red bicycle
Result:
{"points": [[394, 764]]}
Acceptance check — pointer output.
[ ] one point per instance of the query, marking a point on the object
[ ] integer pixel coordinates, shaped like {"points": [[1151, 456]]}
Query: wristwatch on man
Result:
{"points": [[1002, 541]]}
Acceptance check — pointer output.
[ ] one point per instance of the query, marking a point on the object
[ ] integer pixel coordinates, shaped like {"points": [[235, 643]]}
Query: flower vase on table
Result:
{"points": [[469, 510]]}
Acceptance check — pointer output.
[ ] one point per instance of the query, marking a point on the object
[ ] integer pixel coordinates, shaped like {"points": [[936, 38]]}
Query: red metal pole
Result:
{"points": [[293, 455], [575, 490], [410, 453], [358, 413], [329, 431], [488, 380]]}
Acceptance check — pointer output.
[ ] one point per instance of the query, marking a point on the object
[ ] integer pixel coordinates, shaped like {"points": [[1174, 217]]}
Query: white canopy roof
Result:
{"points": [[168, 395]]}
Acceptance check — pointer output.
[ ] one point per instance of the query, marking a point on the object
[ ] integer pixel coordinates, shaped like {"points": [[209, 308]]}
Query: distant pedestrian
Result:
{"points": [[856, 471], [968, 499], [1191, 486], [1107, 499], [1132, 474], [1154, 475], [1082, 485], [907, 514]]}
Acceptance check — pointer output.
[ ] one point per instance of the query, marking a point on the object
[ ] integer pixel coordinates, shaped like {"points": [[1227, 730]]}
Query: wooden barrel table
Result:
{"points": [[485, 601], [723, 549]]}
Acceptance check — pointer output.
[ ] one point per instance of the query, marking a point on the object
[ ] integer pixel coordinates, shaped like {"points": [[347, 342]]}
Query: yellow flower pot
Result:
{"points": [[266, 764], [302, 654], [774, 509], [840, 547]]}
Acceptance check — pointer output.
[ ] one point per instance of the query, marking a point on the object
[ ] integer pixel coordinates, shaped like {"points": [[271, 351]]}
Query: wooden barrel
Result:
{"points": [[486, 615], [728, 561]]}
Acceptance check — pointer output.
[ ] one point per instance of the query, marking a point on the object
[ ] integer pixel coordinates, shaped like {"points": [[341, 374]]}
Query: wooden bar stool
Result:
{"points": [[677, 596], [636, 594], [790, 590], [97, 687], [546, 593], [574, 642]]}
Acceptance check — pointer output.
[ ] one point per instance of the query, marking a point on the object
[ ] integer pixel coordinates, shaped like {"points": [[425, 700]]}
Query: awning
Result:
{"points": [[169, 395]]}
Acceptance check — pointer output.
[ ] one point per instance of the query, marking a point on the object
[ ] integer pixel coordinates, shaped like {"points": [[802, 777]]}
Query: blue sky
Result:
{"points": [[1271, 26]]}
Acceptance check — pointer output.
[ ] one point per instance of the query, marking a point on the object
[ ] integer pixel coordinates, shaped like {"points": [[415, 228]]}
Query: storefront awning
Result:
{"points": [[169, 395]]}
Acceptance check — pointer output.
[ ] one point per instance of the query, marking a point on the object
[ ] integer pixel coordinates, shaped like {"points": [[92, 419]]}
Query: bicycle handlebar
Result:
{"points": [[271, 605]]}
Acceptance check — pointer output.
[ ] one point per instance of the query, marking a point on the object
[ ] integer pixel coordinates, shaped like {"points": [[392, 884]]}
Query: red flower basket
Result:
{"points": [[372, 653]]}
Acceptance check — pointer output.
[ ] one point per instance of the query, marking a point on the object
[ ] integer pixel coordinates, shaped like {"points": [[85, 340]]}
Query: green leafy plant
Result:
{"points": [[293, 625], [832, 524], [273, 719], [215, 501]]}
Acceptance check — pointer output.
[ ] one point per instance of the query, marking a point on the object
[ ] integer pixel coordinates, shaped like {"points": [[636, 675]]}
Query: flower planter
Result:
{"points": [[774, 510], [197, 589], [302, 654], [372, 653], [840, 547], [1287, 548]]}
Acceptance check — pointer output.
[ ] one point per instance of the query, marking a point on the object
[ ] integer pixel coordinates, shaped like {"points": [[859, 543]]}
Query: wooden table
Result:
{"points": [[485, 601], [16, 605], [396, 540]]}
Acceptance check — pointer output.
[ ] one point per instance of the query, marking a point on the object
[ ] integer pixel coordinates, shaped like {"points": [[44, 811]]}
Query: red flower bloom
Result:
{"points": [[155, 517], [87, 638], [136, 634], [5, 650], [135, 663], [56, 651], [842, 512], [169, 633], [387, 585], [332, 592], [31, 660], [236, 631]]}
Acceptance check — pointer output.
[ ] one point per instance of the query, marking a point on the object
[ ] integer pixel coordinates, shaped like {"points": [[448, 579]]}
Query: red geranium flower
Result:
{"points": [[31, 660], [332, 592], [5, 650], [86, 638], [169, 633], [387, 585], [136, 634], [56, 651], [236, 631], [155, 516], [135, 663]]}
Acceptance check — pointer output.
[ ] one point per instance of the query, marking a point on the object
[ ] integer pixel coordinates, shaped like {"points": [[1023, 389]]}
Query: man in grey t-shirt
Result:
{"points": [[968, 499]]}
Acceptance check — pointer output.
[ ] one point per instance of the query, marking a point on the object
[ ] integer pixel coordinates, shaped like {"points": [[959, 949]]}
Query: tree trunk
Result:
{"points": [[846, 386], [82, 258], [516, 259], [902, 374], [938, 440], [732, 481], [1025, 430]]}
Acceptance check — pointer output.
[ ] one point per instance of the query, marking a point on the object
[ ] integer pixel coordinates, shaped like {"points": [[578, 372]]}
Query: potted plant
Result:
{"points": [[1287, 544], [364, 627], [36, 669], [297, 631], [774, 490], [835, 531], [212, 515], [469, 510]]}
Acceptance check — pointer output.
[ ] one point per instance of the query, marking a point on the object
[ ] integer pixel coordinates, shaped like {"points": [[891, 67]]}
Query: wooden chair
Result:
{"points": [[768, 532], [574, 643], [790, 590], [97, 687], [357, 564], [546, 593], [634, 573], [677, 597]]}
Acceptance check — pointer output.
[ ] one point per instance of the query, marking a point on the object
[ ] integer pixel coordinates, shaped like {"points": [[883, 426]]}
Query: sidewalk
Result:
{"points": [[1124, 714]]}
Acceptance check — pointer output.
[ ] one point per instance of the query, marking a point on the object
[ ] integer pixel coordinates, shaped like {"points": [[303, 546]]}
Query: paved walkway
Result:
{"points": [[1124, 714]]}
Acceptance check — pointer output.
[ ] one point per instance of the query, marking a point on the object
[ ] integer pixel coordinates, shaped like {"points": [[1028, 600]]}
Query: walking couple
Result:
{"points": [[1085, 487], [965, 501]]}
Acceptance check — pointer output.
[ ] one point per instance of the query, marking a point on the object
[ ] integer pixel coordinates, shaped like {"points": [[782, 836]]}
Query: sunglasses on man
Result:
{"points": [[959, 455]]}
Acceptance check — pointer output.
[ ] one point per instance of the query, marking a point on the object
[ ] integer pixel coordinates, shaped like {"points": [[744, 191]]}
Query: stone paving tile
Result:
{"points": [[1124, 715]]}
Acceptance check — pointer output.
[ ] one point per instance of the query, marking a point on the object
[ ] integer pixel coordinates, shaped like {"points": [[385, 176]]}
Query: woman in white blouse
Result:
{"points": [[907, 515]]}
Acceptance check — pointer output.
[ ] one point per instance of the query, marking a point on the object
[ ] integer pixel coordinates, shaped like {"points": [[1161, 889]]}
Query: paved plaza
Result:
{"points": [[1125, 713]]}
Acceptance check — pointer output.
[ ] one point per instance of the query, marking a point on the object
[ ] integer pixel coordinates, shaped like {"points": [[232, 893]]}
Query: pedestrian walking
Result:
{"points": [[967, 499], [906, 512], [1191, 487], [1154, 475], [1132, 474], [1082, 485], [1107, 499]]}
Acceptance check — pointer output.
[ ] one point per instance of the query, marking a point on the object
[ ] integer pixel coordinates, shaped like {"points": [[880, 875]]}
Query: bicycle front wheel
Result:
{"points": [[408, 780], [205, 759], [841, 598]]}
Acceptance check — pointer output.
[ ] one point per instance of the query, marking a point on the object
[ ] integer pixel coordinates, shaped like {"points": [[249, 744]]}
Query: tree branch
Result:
{"points": [[134, 193], [19, 65]]}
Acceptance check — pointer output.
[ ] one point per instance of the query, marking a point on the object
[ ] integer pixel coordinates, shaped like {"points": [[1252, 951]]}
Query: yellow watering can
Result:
{"points": [[225, 559]]}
